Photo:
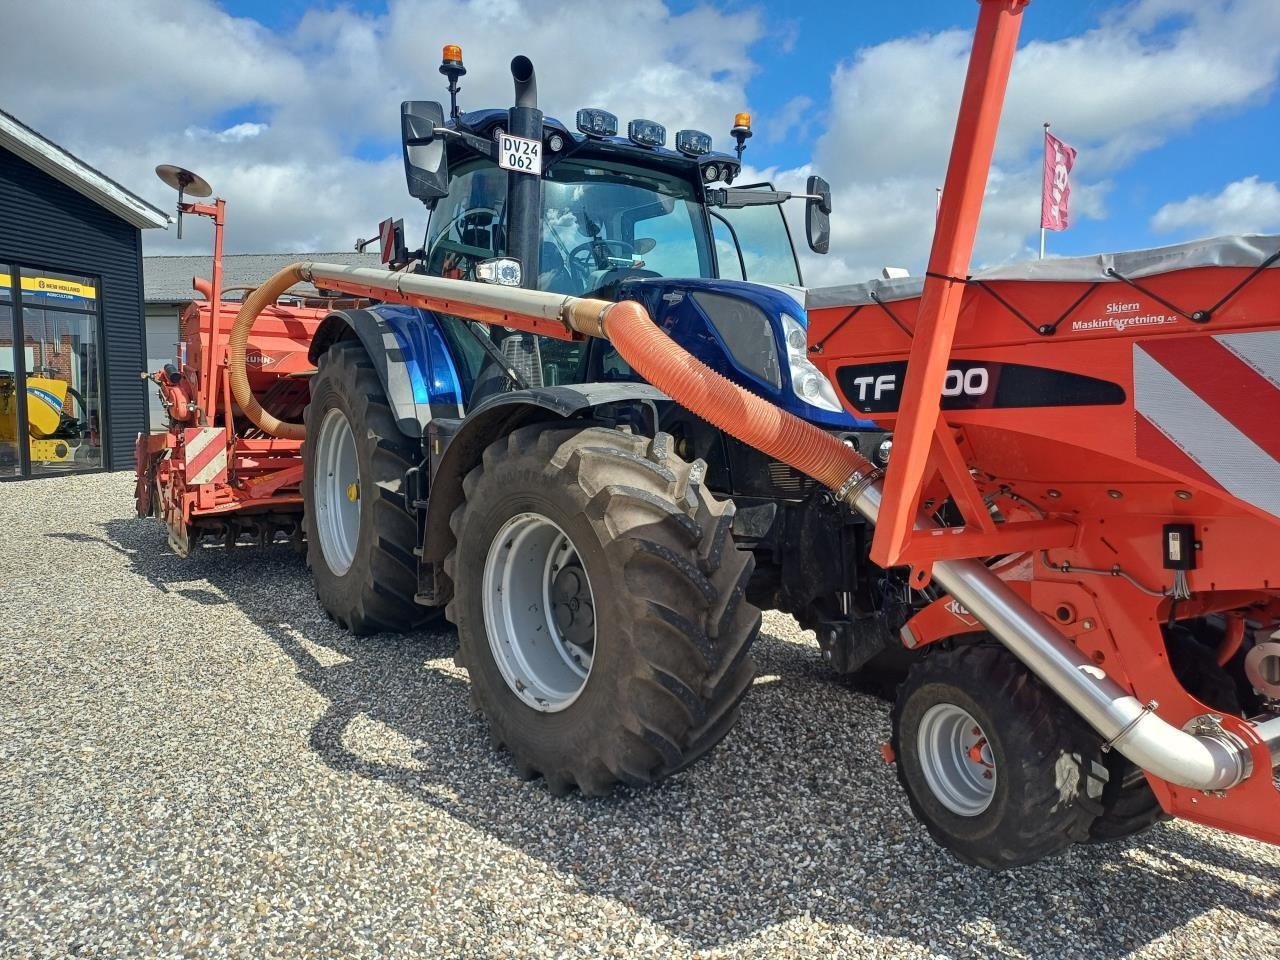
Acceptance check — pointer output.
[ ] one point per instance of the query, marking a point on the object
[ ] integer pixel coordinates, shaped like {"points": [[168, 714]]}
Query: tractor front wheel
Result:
{"points": [[601, 605], [1000, 771], [360, 532]]}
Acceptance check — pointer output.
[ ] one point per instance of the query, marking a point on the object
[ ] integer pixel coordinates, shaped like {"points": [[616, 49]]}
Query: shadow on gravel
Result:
{"points": [[794, 814]]}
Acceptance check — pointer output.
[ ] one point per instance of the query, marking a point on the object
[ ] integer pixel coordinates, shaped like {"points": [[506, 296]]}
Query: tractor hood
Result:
{"points": [[755, 333]]}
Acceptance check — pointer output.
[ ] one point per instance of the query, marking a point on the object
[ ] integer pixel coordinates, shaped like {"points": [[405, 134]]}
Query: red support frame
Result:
{"points": [[918, 430]]}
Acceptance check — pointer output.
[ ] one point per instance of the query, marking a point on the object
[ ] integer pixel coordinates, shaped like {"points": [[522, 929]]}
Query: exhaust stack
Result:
{"points": [[524, 191]]}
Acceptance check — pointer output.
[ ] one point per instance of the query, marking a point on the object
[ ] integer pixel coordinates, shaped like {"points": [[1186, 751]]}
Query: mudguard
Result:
{"points": [[410, 355], [456, 446]]}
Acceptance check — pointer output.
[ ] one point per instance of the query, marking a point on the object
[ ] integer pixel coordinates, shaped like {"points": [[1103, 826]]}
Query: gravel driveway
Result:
{"points": [[195, 762]]}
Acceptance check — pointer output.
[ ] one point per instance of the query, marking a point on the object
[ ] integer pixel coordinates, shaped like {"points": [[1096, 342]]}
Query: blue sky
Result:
{"points": [[1171, 103]]}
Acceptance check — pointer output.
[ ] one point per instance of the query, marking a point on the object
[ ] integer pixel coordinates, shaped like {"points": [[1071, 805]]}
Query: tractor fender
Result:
{"points": [[409, 355], [453, 457]]}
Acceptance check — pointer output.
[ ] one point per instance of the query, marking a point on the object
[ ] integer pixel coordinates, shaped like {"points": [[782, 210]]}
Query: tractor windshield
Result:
{"points": [[602, 222], [605, 222]]}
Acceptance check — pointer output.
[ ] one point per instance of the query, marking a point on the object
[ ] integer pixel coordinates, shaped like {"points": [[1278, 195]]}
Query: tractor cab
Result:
{"points": [[521, 199], [610, 210]]}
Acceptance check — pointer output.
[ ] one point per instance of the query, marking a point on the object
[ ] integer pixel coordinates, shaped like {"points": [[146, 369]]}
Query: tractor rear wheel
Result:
{"points": [[360, 532], [601, 605], [1000, 771]]}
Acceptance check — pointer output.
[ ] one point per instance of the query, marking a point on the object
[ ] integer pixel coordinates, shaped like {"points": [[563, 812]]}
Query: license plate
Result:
{"points": [[520, 154]]}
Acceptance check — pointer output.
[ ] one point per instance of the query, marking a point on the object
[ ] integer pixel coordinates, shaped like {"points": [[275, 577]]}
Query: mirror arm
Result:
{"points": [[486, 148], [731, 199]]}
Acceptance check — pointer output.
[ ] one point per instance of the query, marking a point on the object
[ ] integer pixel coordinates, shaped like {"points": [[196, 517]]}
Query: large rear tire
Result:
{"points": [[360, 532], [601, 605], [1000, 771]]}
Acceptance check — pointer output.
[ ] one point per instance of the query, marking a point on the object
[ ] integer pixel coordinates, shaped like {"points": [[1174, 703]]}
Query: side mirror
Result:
{"points": [[817, 215], [426, 168]]}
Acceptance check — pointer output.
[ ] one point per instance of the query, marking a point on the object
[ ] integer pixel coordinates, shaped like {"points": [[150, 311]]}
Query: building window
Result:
{"points": [[55, 319]]}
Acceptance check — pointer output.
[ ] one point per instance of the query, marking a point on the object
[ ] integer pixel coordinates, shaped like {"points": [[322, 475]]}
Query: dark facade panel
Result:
{"points": [[45, 223]]}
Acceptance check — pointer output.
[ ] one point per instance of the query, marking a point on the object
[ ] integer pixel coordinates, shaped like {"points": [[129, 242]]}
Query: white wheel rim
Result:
{"points": [[336, 488], [539, 612], [956, 759]]}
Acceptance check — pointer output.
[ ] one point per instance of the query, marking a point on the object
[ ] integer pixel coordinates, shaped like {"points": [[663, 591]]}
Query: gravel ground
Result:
{"points": [[196, 763]]}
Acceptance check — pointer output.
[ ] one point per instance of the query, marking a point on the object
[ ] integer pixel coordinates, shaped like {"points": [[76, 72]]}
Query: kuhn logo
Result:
{"points": [[258, 359], [973, 382], [961, 613]]}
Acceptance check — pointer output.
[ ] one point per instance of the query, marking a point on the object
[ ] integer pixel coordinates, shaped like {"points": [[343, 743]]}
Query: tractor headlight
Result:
{"points": [[807, 381], [501, 270]]}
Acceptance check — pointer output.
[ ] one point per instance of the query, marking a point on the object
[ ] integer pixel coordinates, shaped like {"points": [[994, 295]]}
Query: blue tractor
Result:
{"points": [[602, 551]]}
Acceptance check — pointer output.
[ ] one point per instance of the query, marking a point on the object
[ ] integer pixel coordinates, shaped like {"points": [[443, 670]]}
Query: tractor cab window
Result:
{"points": [[601, 223], [753, 243], [469, 225], [605, 222]]}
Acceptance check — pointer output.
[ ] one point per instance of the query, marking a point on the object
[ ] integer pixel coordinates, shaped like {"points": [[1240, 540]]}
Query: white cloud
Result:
{"points": [[141, 82], [795, 120], [1245, 206], [1146, 73], [281, 124]]}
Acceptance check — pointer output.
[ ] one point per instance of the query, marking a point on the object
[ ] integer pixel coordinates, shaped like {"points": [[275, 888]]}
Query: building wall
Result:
{"points": [[44, 223]]}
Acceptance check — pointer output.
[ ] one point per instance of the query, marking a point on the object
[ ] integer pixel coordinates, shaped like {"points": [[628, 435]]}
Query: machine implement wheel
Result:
{"points": [[601, 605], [360, 533], [1000, 771]]}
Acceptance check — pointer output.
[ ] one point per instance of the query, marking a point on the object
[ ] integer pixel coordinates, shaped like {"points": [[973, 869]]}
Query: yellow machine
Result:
{"points": [[55, 434]]}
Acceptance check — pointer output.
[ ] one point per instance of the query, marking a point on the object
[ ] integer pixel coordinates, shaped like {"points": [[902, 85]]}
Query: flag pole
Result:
{"points": [[1043, 173]]}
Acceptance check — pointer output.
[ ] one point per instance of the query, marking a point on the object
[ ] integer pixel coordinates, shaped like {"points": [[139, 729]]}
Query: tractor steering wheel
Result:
{"points": [[592, 254]]}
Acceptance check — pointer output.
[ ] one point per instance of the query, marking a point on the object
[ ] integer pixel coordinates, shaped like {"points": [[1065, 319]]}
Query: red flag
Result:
{"points": [[1058, 161]]}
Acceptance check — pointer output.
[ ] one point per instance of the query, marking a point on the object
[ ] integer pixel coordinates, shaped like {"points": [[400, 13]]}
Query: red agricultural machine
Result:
{"points": [[214, 475], [1075, 539]]}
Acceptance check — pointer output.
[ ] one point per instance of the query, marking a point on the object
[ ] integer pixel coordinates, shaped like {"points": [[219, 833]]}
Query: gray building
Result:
{"points": [[168, 290], [71, 315]]}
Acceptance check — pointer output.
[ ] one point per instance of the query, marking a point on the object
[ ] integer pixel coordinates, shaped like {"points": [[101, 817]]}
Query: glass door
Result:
{"points": [[50, 380], [10, 460]]}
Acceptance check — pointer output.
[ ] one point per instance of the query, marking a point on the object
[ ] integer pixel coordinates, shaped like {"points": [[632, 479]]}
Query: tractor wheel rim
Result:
{"points": [[956, 759], [337, 477], [539, 612]]}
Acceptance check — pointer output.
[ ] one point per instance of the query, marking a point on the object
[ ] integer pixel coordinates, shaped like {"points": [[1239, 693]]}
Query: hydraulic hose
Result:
{"points": [[719, 401], [254, 303]]}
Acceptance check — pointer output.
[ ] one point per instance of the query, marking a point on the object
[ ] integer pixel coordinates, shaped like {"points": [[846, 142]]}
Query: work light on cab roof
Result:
{"points": [[597, 123], [693, 143], [647, 133]]}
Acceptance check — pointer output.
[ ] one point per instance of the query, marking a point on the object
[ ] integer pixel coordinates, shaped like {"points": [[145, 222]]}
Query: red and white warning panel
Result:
{"points": [[1206, 409], [206, 454]]}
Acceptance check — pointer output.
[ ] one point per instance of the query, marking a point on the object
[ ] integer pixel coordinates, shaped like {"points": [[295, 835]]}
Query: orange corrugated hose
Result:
{"points": [[650, 352], [724, 404], [264, 296]]}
